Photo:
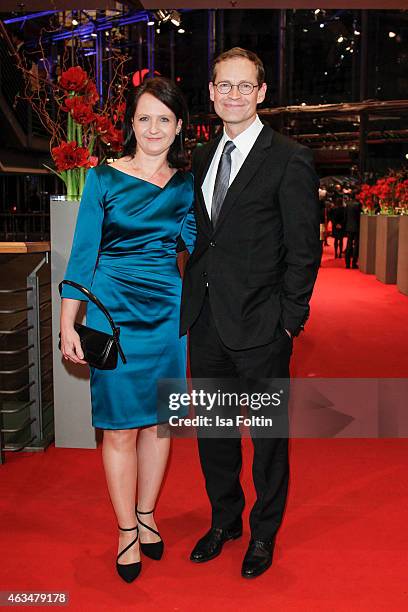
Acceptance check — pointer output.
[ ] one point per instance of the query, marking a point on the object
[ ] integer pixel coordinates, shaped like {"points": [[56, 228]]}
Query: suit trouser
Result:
{"points": [[338, 244], [221, 457], [352, 248]]}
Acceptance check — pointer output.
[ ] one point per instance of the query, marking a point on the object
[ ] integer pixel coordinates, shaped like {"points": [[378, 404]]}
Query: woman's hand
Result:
{"points": [[70, 342], [71, 345]]}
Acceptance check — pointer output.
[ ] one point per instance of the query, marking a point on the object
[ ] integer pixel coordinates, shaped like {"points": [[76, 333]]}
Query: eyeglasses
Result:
{"points": [[224, 87]]}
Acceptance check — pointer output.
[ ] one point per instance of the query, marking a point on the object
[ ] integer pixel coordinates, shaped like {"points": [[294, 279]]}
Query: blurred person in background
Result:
{"points": [[352, 228]]}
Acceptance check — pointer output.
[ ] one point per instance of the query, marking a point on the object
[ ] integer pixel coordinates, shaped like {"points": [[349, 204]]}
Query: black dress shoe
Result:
{"points": [[257, 558], [211, 544]]}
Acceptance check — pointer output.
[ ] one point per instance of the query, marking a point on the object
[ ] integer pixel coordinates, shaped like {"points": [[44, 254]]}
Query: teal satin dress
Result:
{"points": [[124, 250]]}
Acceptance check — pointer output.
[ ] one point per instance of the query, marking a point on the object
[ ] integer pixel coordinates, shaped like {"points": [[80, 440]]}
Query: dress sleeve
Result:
{"points": [[189, 228], [87, 238]]}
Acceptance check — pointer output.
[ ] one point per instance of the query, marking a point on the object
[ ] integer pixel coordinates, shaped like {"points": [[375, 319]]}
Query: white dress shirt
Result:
{"points": [[243, 144]]}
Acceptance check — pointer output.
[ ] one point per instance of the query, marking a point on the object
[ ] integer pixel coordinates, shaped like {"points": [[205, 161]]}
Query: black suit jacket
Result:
{"points": [[353, 213], [262, 258]]}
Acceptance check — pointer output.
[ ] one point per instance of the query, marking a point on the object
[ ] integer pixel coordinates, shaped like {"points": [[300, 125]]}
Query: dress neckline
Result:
{"points": [[136, 178]]}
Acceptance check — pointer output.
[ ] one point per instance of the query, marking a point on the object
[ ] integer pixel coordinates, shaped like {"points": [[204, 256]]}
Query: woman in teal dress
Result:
{"points": [[131, 215]]}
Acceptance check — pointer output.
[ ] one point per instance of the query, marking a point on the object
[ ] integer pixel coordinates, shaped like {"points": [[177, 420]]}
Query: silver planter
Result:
{"points": [[72, 403], [386, 248], [402, 267], [366, 258]]}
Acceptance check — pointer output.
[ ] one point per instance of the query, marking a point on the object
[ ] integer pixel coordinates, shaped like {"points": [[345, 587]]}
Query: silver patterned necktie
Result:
{"points": [[221, 181]]}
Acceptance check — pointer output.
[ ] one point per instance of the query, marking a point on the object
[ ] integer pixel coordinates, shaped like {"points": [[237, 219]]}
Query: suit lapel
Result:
{"points": [[251, 164], [212, 147]]}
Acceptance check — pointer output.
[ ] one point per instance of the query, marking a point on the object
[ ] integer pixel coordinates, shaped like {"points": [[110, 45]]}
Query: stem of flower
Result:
{"points": [[91, 144], [59, 174], [69, 183], [81, 171], [79, 133], [70, 177], [77, 178], [77, 181]]}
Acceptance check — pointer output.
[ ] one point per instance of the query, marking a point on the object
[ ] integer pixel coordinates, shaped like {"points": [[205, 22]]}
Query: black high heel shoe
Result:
{"points": [[130, 571], [153, 550]]}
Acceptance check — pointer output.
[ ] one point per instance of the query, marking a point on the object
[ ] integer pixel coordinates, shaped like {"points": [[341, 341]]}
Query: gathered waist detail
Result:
{"points": [[138, 258], [138, 253], [159, 261]]}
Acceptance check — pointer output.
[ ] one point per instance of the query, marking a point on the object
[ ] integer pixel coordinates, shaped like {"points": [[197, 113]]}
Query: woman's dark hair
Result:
{"points": [[169, 94]]}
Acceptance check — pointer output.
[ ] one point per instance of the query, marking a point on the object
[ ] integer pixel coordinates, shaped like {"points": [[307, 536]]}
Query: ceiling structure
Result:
{"points": [[31, 6], [287, 4], [325, 127], [26, 6]]}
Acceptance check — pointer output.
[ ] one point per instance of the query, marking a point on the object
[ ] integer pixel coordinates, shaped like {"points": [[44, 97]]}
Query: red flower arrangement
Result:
{"points": [[74, 154], [389, 193], [366, 198], [77, 124], [401, 193]]}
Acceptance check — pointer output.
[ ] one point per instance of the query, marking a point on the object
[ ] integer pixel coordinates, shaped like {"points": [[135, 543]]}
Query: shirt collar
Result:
{"points": [[245, 141]]}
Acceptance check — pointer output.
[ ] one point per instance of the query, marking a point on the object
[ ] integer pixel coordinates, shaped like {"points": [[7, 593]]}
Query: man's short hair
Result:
{"points": [[239, 52]]}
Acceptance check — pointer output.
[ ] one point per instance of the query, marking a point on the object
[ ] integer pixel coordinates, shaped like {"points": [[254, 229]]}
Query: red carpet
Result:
{"points": [[343, 544], [357, 327]]}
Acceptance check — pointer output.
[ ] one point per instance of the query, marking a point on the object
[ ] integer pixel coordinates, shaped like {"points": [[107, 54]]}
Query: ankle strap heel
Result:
{"points": [[129, 528], [130, 571], [153, 550]]}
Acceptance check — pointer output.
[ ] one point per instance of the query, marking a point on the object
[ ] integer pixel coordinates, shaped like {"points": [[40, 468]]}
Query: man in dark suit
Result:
{"points": [[246, 290], [352, 226]]}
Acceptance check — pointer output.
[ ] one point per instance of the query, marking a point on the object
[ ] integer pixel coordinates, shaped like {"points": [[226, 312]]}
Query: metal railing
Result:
{"points": [[24, 226], [26, 388]]}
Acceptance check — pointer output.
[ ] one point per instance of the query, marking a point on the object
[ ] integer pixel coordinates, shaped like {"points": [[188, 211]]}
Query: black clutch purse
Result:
{"points": [[100, 349]]}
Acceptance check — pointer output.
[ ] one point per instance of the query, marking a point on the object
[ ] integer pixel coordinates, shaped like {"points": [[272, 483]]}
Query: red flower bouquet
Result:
{"points": [[401, 193], [390, 194], [73, 154], [83, 132], [367, 199]]}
